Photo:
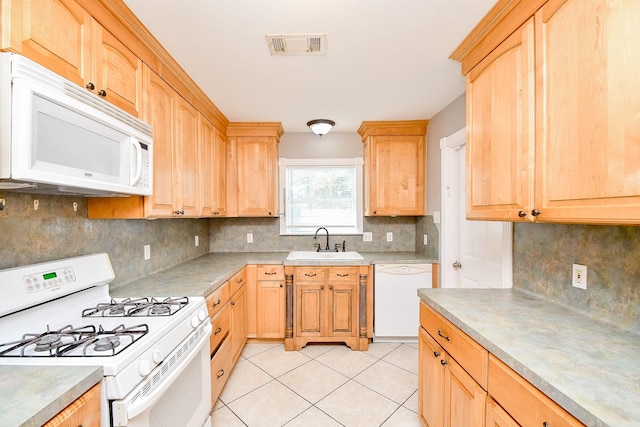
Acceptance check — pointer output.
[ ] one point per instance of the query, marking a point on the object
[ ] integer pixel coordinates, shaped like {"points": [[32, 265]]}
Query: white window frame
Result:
{"points": [[358, 162]]}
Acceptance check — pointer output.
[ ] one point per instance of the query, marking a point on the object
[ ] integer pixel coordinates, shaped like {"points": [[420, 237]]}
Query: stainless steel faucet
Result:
{"points": [[318, 244]]}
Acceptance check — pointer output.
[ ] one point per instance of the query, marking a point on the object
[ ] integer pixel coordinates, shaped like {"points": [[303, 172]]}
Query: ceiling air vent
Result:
{"points": [[297, 44]]}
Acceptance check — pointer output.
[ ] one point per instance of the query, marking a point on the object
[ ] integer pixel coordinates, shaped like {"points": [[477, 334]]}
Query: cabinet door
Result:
{"points": [[84, 411], [498, 417], [186, 165], [256, 158], [342, 309], [118, 72], [431, 381], [212, 169], [271, 309], [54, 33], [397, 179], [310, 307], [158, 108], [465, 400], [588, 106], [238, 331], [500, 126]]}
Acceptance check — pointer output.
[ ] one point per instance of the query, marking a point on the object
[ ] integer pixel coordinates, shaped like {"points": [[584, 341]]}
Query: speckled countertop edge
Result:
{"points": [[590, 368], [203, 275], [32, 395]]}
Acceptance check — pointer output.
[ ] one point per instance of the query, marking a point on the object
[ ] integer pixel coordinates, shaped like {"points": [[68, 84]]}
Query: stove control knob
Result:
{"points": [[201, 315], [194, 321], [158, 356], [144, 368]]}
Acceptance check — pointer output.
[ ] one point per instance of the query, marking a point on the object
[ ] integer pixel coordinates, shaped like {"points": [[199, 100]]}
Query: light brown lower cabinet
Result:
{"points": [[221, 366], [84, 411], [461, 384]]}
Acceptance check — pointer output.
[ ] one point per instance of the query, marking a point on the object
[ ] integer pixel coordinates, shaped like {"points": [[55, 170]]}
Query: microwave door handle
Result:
{"points": [[138, 147]]}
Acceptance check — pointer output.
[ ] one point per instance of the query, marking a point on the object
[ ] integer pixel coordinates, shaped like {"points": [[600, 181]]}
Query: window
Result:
{"points": [[321, 193]]}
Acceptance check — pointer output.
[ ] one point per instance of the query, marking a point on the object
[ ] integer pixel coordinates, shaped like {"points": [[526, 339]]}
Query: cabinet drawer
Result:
{"points": [[236, 282], [219, 328], [468, 353], [309, 274], [343, 274], [270, 272], [217, 298], [220, 369], [525, 403]]}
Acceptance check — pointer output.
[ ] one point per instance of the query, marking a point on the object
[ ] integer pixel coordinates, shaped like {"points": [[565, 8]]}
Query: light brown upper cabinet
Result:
{"points": [[252, 169], [213, 157], [553, 118], [62, 36], [176, 163], [394, 167]]}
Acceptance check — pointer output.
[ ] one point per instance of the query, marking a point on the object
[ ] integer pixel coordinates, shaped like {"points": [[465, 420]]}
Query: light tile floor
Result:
{"points": [[323, 386]]}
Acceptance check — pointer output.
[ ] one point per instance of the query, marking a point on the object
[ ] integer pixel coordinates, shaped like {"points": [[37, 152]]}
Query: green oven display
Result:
{"points": [[48, 276]]}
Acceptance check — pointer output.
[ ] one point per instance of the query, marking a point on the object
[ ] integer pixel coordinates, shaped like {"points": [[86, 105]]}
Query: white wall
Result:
{"points": [[307, 145]]}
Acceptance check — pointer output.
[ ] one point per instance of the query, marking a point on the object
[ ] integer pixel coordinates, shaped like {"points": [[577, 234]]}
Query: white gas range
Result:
{"points": [[153, 350]]}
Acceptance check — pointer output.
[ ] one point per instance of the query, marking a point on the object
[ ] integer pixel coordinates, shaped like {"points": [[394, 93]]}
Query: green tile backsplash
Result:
{"points": [[543, 255]]}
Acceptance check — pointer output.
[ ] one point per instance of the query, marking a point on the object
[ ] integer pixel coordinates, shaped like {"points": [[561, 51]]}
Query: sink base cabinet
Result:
{"points": [[326, 304], [461, 384]]}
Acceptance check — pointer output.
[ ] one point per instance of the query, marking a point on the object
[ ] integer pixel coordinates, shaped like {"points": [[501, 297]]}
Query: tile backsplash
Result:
{"points": [[55, 230], [230, 235], [543, 255]]}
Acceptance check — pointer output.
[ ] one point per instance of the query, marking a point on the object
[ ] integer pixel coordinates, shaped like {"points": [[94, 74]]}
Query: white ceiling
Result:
{"points": [[385, 59]]}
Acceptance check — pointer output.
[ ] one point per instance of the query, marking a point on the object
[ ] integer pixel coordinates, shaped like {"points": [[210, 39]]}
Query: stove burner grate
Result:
{"points": [[137, 307]]}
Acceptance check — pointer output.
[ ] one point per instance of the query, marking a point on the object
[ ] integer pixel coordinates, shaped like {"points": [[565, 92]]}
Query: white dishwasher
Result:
{"points": [[396, 312]]}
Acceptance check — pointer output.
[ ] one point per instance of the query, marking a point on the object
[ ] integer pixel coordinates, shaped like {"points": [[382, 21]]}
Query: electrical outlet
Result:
{"points": [[367, 236], [147, 252], [436, 217], [389, 236], [249, 237], [196, 241], [425, 239], [579, 276]]}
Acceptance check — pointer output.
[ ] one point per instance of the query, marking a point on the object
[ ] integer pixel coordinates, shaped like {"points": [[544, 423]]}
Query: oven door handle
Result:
{"points": [[125, 410]]}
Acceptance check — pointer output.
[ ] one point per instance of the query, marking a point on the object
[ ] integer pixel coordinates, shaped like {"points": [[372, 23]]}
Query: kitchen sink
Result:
{"points": [[323, 256]]}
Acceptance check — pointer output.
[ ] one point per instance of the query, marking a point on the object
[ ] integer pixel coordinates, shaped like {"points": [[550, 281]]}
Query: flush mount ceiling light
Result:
{"points": [[320, 126]]}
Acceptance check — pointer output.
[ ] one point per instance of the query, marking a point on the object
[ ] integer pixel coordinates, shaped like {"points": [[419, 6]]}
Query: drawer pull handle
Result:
{"points": [[310, 275], [545, 424], [269, 273], [217, 331], [436, 354], [216, 303], [342, 275], [220, 373], [443, 336], [239, 280], [443, 362]]}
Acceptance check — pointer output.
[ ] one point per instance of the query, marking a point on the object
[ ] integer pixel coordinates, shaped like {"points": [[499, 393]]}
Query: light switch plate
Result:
{"points": [[147, 252], [389, 236]]}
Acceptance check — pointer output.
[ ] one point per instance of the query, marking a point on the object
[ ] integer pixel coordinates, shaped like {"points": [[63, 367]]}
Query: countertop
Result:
{"points": [[201, 276], [589, 367], [32, 395]]}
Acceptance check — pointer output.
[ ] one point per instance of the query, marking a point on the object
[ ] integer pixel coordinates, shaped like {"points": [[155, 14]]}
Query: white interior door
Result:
{"points": [[474, 254]]}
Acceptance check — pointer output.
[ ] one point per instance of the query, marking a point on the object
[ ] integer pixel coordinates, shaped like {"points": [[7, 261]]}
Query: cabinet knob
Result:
{"points": [[281, 285], [322, 288], [545, 424], [436, 354], [443, 362], [102, 93], [535, 212], [330, 287], [90, 86], [522, 214], [178, 212], [217, 331]]}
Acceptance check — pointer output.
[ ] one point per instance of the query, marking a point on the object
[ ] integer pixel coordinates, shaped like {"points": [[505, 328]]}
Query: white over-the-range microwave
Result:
{"points": [[58, 138]]}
